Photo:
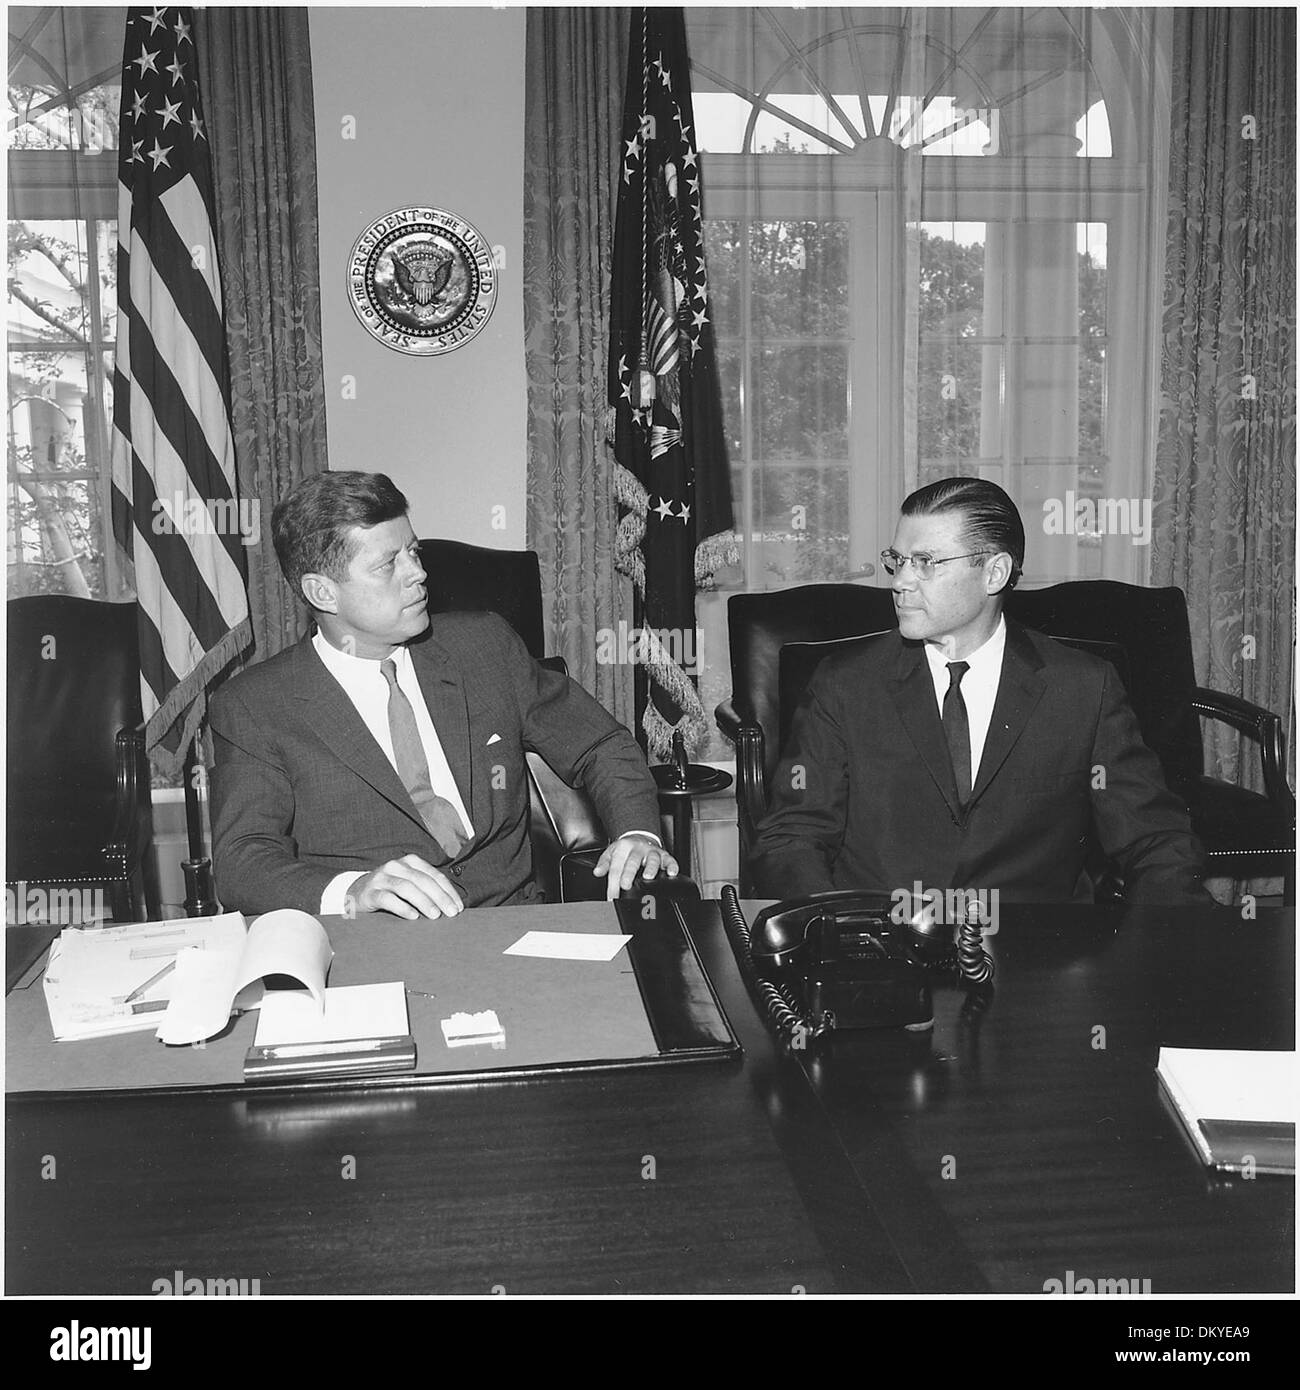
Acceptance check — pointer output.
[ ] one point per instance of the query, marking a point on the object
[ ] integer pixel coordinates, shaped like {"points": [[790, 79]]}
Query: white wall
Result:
{"points": [[437, 97]]}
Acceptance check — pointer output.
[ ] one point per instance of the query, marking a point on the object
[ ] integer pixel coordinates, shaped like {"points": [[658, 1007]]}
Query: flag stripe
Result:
{"points": [[188, 570], [169, 254], [169, 438]]}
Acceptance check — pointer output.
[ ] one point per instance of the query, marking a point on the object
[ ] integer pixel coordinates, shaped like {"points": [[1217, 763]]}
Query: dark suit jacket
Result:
{"points": [[864, 793], [301, 791]]}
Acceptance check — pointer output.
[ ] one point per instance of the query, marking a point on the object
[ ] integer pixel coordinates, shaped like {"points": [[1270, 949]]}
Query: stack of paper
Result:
{"points": [[1238, 1108], [119, 979]]}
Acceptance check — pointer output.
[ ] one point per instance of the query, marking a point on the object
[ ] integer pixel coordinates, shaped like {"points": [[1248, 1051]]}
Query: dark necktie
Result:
{"points": [[413, 768], [957, 727]]}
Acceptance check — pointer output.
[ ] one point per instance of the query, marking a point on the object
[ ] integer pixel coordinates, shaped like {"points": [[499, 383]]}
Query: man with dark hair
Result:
{"points": [[964, 751], [378, 765]]}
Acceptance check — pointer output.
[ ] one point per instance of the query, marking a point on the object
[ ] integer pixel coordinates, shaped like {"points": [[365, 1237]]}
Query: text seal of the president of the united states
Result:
{"points": [[422, 281]]}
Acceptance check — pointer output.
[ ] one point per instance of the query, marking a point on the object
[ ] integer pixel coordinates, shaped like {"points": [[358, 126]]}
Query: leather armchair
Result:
{"points": [[1144, 632], [79, 811], [565, 827]]}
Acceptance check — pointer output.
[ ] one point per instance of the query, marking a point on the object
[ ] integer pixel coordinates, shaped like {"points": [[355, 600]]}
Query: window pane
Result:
{"points": [[801, 403], [952, 278], [802, 515], [949, 393], [800, 278]]}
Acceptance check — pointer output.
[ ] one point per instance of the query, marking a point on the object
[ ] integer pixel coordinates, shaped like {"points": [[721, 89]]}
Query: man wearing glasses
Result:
{"points": [[965, 751]]}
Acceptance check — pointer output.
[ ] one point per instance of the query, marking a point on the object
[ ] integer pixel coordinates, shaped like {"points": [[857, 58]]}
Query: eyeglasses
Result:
{"points": [[923, 565]]}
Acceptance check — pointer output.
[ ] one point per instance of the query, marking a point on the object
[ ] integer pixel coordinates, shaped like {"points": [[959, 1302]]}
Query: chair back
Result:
{"points": [[1143, 632], [74, 681], [476, 578], [759, 625]]}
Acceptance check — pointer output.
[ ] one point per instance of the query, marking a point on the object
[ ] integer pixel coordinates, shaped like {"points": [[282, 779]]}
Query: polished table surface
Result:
{"points": [[1013, 1146]]}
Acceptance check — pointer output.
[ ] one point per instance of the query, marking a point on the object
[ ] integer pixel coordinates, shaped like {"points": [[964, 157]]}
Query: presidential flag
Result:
{"points": [[176, 511], [671, 476]]}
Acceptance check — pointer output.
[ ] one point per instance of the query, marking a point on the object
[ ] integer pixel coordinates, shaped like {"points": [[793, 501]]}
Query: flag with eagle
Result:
{"points": [[671, 475], [176, 513]]}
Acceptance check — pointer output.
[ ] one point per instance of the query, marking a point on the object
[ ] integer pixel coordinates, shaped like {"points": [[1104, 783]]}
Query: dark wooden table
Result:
{"points": [[1005, 1150]]}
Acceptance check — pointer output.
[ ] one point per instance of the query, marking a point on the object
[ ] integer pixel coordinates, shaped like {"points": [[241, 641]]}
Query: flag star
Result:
{"points": [[688, 159], [701, 318], [694, 345], [627, 174], [665, 509], [168, 113], [182, 32], [145, 61], [663, 71], [685, 513], [633, 147], [627, 390], [138, 108], [155, 19], [196, 126], [136, 156], [177, 69], [159, 155]]}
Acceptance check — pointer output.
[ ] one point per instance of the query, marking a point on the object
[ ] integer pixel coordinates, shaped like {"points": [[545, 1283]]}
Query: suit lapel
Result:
{"points": [[448, 705], [334, 717], [1020, 689], [912, 690]]}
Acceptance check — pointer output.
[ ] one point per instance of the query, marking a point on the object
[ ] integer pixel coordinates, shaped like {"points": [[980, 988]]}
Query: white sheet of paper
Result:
{"points": [[202, 987], [1224, 1084], [351, 1011], [568, 945]]}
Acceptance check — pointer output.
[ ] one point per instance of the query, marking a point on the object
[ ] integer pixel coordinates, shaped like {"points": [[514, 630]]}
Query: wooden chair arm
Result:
{"points": [[1257, 723]]}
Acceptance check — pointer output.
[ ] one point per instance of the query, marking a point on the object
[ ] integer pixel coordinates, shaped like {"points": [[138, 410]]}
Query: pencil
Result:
{"points": [[151, 981]]}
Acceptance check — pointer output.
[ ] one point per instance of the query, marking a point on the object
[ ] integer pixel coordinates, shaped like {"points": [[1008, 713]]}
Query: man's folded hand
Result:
{"points": [[410, 887]]}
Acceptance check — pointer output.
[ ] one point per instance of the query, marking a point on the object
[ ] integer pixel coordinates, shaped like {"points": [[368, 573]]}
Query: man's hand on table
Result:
{"points": [[629, 855], [410, 887]]}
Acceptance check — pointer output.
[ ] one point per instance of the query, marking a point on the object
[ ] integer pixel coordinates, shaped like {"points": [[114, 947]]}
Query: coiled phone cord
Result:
{"points": [[782, 1010], [973, 961]]}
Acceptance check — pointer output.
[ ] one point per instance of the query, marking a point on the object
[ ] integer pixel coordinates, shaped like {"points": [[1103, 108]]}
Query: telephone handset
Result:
{"points": [[851, 960]]}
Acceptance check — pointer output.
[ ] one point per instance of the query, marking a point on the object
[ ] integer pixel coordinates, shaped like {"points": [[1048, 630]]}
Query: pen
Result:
{"points": [[287, 1050], [152, 980]]}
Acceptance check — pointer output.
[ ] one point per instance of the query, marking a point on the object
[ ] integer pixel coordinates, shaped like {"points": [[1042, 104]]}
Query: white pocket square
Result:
{"points": [[496, 738]]}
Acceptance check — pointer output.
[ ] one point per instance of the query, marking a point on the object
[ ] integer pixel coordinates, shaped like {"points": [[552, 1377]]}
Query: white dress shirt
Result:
{"points": [[979, 687], [364, 684]]}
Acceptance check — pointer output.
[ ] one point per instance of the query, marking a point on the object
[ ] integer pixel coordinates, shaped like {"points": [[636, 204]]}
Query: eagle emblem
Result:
{"points": [[423, 270]]}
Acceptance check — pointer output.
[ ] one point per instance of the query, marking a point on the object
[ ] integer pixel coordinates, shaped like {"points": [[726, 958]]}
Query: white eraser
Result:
{"points": [[464, 1030]]}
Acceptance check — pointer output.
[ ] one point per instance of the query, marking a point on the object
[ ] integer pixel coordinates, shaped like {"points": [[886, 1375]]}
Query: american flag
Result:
{"points": [[671, 478], [176, 513]]}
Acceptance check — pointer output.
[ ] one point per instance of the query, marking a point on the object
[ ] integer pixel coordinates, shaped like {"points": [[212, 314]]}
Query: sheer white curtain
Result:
{"points": [[935, 240]]}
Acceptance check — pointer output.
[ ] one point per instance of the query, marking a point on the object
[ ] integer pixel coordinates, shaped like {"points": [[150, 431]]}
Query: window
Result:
{"points": [[930, 238], [64, 94]]}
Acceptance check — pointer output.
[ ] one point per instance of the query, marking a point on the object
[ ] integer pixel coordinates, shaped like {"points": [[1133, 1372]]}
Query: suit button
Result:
{"points": [[456, 870]]}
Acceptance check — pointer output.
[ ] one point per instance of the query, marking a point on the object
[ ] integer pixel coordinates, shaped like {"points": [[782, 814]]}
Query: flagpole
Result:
{"points": [[199, 900]]}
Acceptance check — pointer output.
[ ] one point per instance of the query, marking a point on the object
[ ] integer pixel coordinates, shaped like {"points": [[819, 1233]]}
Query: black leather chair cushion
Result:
{"points": [[761, 624], [74, 681], [475, 578]]}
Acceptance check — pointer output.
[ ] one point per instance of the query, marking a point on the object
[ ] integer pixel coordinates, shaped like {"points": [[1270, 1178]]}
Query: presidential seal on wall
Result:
{"points": [[422, 281]]}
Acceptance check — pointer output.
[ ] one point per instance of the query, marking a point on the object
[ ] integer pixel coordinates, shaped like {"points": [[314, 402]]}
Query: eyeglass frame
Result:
{"points": [[927, 560]]}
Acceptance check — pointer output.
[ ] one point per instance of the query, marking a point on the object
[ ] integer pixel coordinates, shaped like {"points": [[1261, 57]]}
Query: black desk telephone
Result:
{"points": [[850, 960]]}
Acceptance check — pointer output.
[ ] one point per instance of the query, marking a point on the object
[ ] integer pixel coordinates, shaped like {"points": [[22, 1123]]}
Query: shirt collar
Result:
{"points": [[987, 656], [344, 665]]}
